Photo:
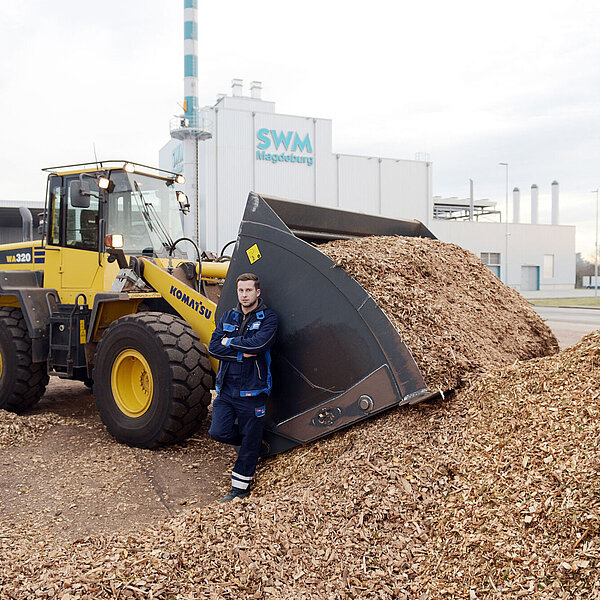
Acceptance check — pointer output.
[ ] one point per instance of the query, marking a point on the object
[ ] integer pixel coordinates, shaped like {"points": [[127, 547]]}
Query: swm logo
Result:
{"points": [[290, 140]]}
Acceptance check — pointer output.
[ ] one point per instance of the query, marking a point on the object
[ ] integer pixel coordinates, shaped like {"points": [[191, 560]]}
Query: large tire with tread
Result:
{"points": [[152, 379], [22, 382]]}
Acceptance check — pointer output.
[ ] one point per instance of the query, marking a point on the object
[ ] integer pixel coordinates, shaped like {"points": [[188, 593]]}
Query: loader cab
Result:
{"points": [[144, 208], [71, 223]]}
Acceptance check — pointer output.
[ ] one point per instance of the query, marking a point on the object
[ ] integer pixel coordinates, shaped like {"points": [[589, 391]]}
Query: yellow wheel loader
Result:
{"points": [[111, 297]]}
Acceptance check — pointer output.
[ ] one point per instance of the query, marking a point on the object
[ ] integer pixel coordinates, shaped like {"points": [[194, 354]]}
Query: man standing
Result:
{"points": [[241, 342]]}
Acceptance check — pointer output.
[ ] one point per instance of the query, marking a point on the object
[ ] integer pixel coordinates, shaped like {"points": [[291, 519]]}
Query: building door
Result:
{"points": [[530, 278]]}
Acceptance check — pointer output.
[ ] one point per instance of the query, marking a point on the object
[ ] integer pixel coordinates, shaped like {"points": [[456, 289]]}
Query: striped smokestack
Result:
{"points": [[190, 49]]}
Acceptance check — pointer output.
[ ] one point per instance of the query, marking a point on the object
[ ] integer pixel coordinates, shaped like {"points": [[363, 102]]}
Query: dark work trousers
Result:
{"points": [[246, 433]]}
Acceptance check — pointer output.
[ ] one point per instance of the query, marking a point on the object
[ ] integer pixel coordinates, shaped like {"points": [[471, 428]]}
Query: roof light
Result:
{"points": [[103, 182], [129, 168], [180, 179], [113, 240]]}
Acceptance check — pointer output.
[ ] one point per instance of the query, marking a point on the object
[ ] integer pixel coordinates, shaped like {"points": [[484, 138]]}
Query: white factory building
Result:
{"points": [[242, 144]]}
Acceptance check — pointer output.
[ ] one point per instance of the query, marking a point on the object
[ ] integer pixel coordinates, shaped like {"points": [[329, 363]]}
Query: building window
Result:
{"points": [[548, 266], [492, 261]]}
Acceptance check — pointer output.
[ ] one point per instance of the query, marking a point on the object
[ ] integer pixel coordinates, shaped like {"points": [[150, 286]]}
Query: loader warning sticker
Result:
{"points": [[253, 254], [16, 256]]}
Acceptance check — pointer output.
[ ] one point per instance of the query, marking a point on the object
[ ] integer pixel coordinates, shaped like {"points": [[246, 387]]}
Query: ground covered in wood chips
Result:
{"points": [[16, 429], [494, 493], [456, 317]]}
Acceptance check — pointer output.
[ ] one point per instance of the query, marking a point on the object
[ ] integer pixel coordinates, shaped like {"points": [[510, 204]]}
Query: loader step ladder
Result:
{"points": [[68, 329]]}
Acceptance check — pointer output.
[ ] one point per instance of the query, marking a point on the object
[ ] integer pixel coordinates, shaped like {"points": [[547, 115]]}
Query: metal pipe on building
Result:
{"points": [[471, 201], [516, 205], [236, 87], [255, 89], [555, 217], [534, 204]]}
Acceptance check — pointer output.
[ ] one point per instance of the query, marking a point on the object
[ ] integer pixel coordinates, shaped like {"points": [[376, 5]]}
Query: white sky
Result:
{"points": [[471, 83]]}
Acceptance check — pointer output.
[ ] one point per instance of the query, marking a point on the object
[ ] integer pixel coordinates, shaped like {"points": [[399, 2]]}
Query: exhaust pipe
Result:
{"points": [[27, 223]]}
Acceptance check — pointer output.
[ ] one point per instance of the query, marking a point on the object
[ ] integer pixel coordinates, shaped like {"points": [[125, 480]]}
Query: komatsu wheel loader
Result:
{"points": [[109, 296]]}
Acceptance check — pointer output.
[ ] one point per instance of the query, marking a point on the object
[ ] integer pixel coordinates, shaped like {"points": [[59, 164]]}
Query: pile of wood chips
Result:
{"points": [[494, 493], [454, 315]]}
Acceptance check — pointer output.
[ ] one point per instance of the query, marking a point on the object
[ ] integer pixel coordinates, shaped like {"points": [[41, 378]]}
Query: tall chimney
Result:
{"points": [[236, 87], [516, 205], [190, 61], [255, 89], [534, 204], [554, 203]]}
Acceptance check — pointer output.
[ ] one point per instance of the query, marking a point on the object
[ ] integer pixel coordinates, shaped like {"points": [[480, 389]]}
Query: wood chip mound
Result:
{"points": [[454, 315], [493, 494], [17, 429]]}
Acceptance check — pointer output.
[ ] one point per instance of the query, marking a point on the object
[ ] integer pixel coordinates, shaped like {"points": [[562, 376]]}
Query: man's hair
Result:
{"points": [[249, 277]]}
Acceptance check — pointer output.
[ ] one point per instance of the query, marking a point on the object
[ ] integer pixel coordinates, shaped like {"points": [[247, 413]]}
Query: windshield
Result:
{"points": [[145, 211]]}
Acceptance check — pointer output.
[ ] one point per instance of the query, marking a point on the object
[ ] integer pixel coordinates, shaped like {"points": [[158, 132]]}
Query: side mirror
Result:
{"points": [[41, 223], [79, 192]]}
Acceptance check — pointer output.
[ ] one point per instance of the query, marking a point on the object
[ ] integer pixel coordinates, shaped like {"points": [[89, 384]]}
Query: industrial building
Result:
{"points": [[242, 144]]}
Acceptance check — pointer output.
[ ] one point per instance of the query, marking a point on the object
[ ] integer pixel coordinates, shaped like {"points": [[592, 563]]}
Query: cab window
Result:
{"points": [[54, 220], [82, 223]]}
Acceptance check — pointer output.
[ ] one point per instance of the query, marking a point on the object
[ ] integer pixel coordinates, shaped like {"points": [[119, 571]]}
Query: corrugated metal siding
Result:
{"points": [[359, 183], [404, 189], [234, 170], [228, 168], [207, 187], [325, 164]]}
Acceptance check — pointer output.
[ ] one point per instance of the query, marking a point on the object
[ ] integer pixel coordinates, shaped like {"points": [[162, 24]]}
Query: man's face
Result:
{"points": [[247, 294]]}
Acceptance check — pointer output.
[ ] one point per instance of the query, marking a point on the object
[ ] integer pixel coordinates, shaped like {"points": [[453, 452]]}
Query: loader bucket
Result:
{"points": [[337, 359]]}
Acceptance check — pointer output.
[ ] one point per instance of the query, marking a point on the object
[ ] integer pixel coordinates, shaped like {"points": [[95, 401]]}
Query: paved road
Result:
{"points": [[569, 324]]}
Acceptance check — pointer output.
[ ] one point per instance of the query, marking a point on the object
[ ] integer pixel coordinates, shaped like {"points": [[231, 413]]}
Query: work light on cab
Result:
{"points": [[103, 182], [113, 240], [184, 203]]}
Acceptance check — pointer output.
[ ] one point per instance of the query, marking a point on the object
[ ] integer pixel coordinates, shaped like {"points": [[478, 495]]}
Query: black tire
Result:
{"points": [[173, 400], [22, 382]]}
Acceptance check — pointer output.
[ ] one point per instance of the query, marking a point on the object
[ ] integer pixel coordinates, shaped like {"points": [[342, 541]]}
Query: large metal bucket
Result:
{"points": [[337, 359]]}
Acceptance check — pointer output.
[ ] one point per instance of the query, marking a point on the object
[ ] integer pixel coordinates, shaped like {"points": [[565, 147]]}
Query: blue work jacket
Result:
{"points": [[254, 334]]}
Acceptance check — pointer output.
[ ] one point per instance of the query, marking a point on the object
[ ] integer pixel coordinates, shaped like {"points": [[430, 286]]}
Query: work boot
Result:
{"points": [[234, 493]]}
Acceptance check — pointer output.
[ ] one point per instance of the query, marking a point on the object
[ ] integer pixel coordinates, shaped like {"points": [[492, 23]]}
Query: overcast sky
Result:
{"points": [[470, 83]]}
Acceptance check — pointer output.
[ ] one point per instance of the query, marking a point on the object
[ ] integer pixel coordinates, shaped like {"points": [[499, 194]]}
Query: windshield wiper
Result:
{"points": [[153, 219]]}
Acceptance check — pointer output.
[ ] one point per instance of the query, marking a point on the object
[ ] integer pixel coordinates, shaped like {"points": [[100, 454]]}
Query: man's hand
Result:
{"points": [[248, 355], [224, 341]]}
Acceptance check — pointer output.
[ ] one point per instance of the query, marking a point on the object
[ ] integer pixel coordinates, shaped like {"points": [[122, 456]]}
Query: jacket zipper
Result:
{"points": [[258, 369]]}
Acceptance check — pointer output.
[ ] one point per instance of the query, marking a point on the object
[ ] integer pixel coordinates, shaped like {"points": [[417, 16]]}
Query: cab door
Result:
{"points": [[73, 238]]}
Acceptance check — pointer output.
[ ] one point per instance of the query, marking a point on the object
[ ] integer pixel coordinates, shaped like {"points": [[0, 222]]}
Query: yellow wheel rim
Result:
{"points": [[132, 384]]}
